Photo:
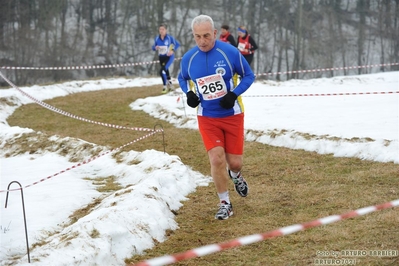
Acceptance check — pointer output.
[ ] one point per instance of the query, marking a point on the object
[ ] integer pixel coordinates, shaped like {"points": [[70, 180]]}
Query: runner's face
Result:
{"points": [[204, 36], [162, 31], [223, 32]]}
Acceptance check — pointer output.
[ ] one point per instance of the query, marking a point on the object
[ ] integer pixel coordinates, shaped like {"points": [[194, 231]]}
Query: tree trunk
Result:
{"points": [[297, 40], [360, 41]]}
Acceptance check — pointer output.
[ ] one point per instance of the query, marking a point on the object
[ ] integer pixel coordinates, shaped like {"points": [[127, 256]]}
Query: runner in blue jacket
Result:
{"points": [[166, 45], [211, 66], [212, 73]]}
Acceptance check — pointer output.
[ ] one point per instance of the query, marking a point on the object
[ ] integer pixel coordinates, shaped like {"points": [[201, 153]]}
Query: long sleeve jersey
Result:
{"points": [[212, 73], [165, 45]]}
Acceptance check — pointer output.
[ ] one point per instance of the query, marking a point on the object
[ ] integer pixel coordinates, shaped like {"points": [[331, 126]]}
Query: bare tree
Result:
{"points": [[291, 35], [361, 9]]}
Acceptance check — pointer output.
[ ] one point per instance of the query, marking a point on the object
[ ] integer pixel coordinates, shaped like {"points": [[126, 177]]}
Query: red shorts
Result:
{"points": [[227, 132]]}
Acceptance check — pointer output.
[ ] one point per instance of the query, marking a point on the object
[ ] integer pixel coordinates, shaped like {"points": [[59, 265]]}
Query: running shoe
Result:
{"points": [[240, 184], [225, 211]]}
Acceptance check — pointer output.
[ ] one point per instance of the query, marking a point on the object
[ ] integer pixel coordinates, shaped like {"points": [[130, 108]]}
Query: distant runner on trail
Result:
{"points": [[165, 45]]}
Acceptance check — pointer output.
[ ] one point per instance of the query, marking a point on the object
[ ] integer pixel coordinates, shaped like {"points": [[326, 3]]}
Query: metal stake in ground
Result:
{"points": [[23, 210], [163, 135]]}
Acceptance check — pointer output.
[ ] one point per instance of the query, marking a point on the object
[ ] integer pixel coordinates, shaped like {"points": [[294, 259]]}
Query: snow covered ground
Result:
{"points": [[125, 222]]}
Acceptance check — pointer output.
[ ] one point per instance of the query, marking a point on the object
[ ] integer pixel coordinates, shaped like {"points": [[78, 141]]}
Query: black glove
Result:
{"points": [[192, 99], [228, 100]]}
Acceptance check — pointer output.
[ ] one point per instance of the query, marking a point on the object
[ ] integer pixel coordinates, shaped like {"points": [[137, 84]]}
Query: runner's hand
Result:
{"points": [[192, 99], [228, 100]]}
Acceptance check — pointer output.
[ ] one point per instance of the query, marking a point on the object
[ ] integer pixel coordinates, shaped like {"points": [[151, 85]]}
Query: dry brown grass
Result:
{"points": [[286, 187]]}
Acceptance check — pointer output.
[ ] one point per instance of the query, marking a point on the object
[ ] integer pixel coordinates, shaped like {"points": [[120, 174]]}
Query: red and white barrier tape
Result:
{"points": [[52, 108], [325, 69], [157, 61], [82, 67], [324, 94], [209, 249], [84, 162]]}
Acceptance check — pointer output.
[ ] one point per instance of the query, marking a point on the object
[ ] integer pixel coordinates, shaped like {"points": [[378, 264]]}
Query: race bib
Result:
{"points": [[162, 50], [241, 46], [212, 87]]}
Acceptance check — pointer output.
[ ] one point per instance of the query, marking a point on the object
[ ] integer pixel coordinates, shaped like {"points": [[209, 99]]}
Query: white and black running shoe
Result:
{"points": [[225, 211], [240, 184]]}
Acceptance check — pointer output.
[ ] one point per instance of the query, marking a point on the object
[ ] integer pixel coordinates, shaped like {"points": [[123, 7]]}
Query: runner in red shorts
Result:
{"points": [[211, 66]]}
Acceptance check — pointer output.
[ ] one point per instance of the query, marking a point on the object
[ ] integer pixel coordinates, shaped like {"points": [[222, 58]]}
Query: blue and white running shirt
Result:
{"points": [[212, 73], [167, 44]]}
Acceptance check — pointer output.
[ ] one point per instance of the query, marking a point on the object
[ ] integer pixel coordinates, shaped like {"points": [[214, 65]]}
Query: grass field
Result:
{"points": [[286, 187]]}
